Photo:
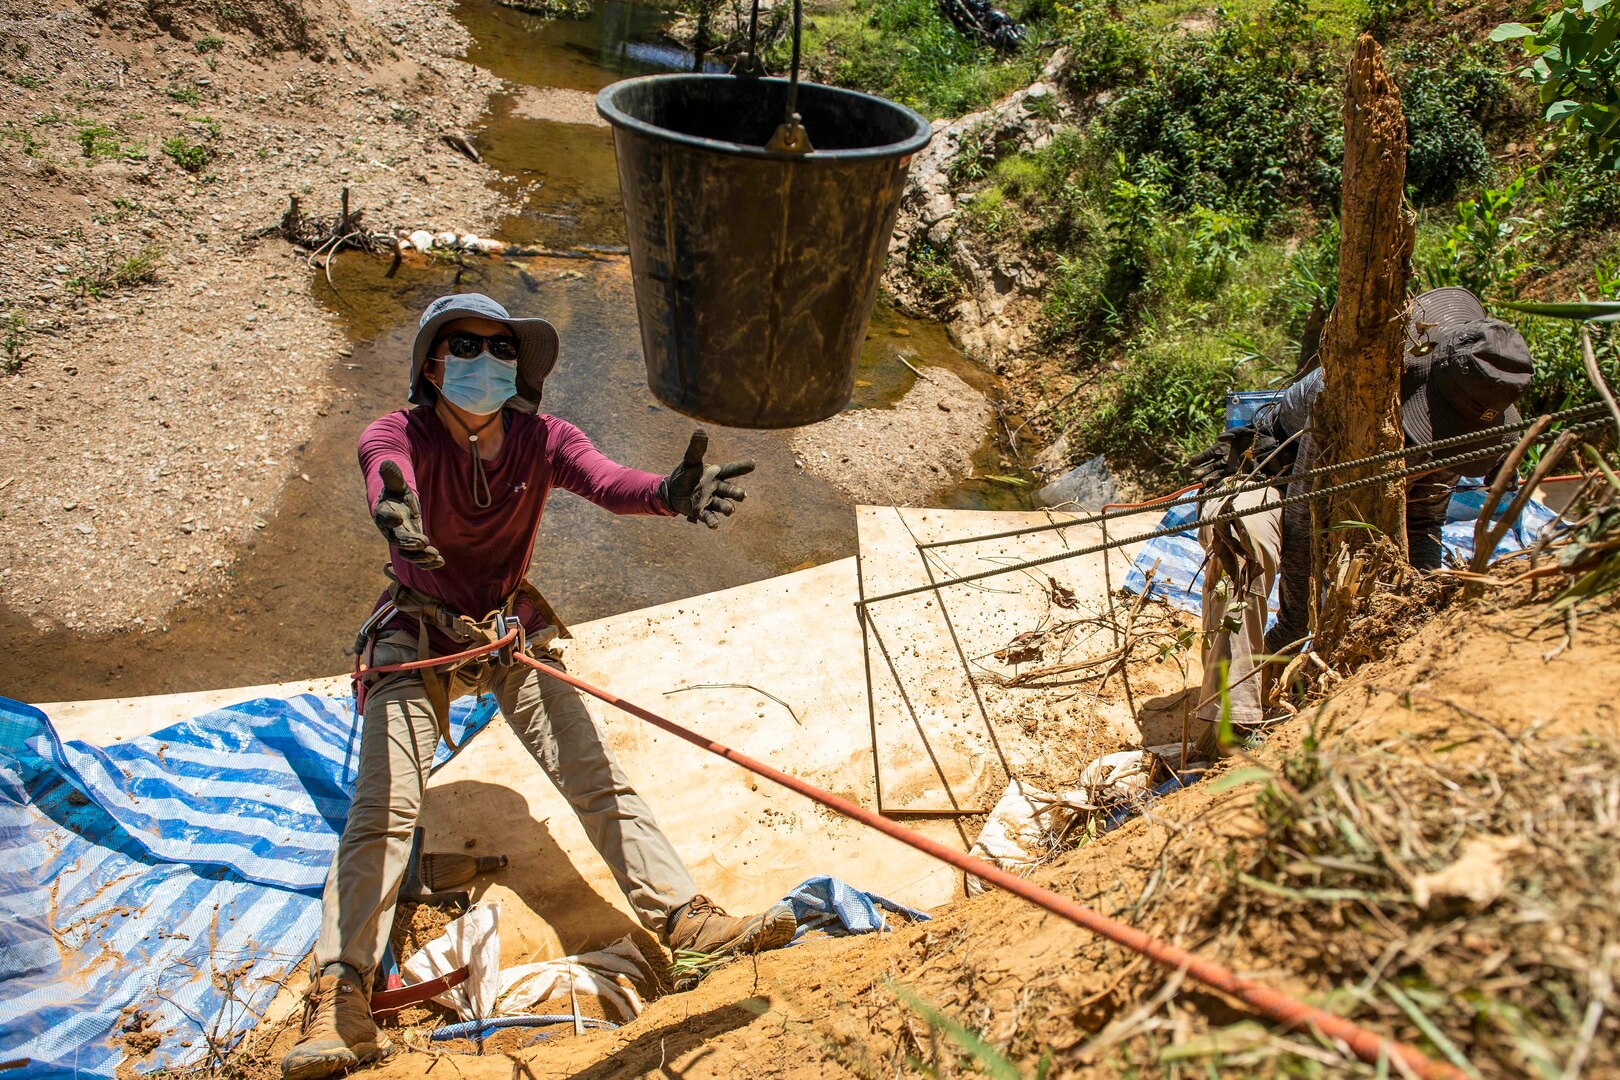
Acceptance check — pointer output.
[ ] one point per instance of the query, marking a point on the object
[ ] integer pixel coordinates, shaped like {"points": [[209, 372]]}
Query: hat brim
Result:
{"points": [[537, 354], [1450, 305], [1426, 416]]}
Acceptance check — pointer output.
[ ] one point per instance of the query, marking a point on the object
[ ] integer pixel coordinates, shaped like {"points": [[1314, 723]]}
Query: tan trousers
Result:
{"points": [[397, 741], [1242, 567]]}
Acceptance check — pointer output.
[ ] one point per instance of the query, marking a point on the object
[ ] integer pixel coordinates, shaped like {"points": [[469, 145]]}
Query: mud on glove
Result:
{"points": [[700, 492], [398, 515]]}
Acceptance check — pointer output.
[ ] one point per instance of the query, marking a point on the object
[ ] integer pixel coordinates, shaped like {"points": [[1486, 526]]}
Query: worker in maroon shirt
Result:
{"points": [[457, 485]]}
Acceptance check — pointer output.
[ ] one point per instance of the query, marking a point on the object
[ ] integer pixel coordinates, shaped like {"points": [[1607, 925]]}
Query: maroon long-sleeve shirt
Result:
{"points": [[486, 549]]}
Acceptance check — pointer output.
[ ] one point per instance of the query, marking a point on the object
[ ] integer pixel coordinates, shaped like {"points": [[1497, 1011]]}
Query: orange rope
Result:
{"points": [[1273, 1004], [1291, 1012]]}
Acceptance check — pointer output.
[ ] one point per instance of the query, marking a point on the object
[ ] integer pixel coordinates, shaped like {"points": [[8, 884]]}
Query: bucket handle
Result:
{"points": [[790, 137]]}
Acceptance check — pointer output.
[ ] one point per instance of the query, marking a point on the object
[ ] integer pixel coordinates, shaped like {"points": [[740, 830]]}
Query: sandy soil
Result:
{"points": [[161, 364], [1034, 985], [901, 456]]}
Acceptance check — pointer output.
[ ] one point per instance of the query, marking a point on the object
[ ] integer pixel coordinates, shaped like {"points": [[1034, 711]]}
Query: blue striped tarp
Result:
{"points": [[1179, 558], [169, 884]]}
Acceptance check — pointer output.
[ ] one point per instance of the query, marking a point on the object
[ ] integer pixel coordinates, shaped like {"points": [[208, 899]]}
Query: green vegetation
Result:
{"points": [[185, 95], [193, 157], [1574, 58], [1187, 222], [101, 143], [908, 50], [208, 43], [13, 335], [113, 274]]}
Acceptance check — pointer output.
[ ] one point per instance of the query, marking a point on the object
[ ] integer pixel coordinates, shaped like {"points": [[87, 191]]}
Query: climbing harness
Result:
{"points": [[497, 639]]}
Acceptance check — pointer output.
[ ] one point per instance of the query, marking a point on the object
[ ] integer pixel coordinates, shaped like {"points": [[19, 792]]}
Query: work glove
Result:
{"points": [[398, 515], [700, 492], [1237, 451]]}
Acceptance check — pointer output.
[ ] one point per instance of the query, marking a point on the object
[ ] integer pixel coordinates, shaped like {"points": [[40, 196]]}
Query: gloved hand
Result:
{"points": [[398, 515], [699, 492], [1241, 450], [1224, 457]]}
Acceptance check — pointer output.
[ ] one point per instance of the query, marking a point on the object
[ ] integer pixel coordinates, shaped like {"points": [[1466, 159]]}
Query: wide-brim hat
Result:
{"points": [[537, 345], [1463, 372]]}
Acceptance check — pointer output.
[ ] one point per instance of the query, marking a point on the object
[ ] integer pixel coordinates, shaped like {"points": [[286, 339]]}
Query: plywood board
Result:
{"points": [[950, 731]]}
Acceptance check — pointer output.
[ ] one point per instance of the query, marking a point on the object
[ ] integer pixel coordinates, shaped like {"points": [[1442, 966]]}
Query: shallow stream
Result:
{"points": [[314, 571]]}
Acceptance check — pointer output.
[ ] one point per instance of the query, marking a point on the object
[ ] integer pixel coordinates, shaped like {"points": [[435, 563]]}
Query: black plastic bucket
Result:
{"points": [[755, 270]]}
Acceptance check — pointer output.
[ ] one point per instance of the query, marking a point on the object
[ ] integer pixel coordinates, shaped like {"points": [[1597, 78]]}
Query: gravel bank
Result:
{"points": [[904, 456], [161, 364]]}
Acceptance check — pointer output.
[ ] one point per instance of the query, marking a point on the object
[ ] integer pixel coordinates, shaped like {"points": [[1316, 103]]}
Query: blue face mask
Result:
{"points": [[480, 385]]}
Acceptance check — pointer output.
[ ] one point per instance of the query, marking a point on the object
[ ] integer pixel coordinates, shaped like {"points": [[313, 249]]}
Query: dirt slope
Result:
{"points": [[1467, 733], [161, 366]]}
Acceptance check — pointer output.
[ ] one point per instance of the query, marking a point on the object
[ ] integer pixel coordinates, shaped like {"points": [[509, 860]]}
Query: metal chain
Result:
{"points": [[1278, 481], [1222, 519]]}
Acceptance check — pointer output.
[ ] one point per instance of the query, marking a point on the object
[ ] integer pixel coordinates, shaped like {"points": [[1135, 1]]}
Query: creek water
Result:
{"points": [[312, 574]]}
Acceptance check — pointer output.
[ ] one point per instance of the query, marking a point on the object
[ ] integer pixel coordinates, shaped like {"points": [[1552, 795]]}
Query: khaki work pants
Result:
{"points": [[397, 741], [1242, 567]]}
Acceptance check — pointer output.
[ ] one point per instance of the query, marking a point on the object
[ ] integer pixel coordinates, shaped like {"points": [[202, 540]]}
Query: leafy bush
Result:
{"points": [[1450, 95], [1584, 196], [193, 157], [1110, 48], [1574, 57], [1246, 120], [1485, 250], [1167, 401], [101, 143]]}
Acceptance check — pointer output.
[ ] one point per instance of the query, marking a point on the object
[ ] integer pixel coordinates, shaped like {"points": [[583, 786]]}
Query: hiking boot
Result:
{"points": [[338, 1032], [701, 926]]}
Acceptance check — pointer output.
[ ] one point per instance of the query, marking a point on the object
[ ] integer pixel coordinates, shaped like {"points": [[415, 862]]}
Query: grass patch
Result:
{"points": [[113, 274], [185, 95], [208, 43], [907, 50], [99, 142]]}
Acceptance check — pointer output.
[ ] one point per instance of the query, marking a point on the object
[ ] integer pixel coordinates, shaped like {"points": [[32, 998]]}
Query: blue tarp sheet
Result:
{"points": [[829, 905], [170, 883], [1180, 558]]}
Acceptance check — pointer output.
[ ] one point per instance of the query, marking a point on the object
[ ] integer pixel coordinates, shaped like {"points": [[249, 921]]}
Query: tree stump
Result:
{"points": [[1358, 413]]}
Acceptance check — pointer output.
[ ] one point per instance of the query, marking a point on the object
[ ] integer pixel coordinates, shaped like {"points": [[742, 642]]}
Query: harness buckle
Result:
{"points": [[504, 655]]}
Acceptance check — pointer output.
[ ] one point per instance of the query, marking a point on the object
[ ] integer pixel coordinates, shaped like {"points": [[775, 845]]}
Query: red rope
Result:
{"points": [[1270, 1003]]}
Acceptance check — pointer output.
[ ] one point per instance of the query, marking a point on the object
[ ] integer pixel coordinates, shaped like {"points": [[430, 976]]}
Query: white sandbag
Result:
{"points": [[608, 974], [472, 941], [1018, 831], [421, 240]]}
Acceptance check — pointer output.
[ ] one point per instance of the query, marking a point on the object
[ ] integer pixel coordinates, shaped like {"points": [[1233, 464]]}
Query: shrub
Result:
{"points": [[908, 50], [1450, 96], [1485, 249], [101, 143], [1246, 120], [1110, 48], [1167, 402], [193, 157]]}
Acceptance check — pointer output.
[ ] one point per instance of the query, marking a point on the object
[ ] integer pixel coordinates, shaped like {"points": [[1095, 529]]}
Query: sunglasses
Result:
{"points": [[465, 345]]}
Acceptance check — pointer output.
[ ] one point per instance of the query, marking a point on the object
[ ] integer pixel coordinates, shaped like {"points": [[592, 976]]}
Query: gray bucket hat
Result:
{"points": [[1463, 371], [537, 345]]}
